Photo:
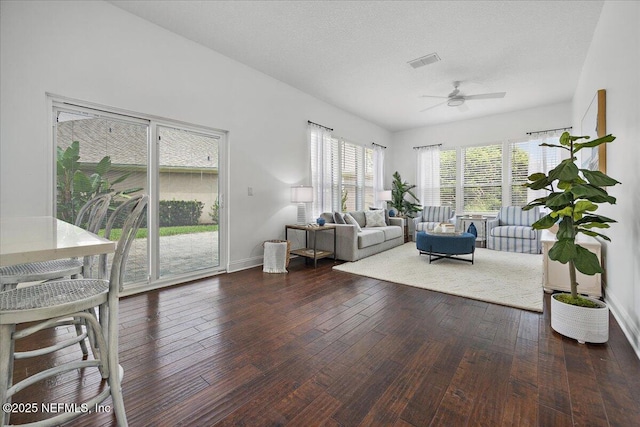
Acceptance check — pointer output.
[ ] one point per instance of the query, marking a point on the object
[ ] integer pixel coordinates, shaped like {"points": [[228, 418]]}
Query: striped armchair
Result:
{"points": [[511, 231], [432, 216]]}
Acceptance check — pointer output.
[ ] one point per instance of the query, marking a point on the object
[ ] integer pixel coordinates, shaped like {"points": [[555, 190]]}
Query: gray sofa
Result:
{"points": [[352, 245]]}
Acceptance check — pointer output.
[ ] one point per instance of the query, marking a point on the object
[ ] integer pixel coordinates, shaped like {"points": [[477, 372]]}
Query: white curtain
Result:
{"points": [[543, 159], [428, 175], [324, 166], [378, 174]]}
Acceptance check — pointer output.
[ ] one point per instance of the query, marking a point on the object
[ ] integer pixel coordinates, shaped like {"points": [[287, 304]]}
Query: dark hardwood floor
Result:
{"points": [[318, 347]]}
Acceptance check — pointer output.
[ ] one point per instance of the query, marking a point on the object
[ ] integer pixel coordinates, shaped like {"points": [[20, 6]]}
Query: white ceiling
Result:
{"points": [[354, 54]]}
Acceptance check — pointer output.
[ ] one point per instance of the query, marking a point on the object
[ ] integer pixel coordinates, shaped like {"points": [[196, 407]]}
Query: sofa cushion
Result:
{"points": [[349, 219], [327, 216], [392, 232], [514, 231], [515, 215], [359, 216], [338, 218], [375, 218], [424, 226], [370, 237]]}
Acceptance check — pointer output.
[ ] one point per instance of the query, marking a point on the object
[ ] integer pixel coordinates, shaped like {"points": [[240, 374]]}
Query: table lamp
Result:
{"points": [[302, 195], [385, 196]]}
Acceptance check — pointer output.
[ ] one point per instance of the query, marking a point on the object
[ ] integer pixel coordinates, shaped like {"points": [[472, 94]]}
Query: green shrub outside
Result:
{"points": [[180, 212]]}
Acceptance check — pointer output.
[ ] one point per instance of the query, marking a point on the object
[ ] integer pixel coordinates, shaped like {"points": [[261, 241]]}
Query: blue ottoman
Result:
{"points": [[439, 246]]}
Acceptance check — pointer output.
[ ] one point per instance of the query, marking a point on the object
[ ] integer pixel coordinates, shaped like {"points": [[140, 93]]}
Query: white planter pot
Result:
{"points": [[581, 323]]}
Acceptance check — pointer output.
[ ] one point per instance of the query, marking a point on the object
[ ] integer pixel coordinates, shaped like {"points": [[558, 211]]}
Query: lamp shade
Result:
{"points": [[301, 194], [385, 195]]}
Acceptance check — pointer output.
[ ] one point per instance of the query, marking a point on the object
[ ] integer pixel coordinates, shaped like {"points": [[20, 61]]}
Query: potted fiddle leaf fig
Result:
{"points": [[403, 200], [574, 196]]}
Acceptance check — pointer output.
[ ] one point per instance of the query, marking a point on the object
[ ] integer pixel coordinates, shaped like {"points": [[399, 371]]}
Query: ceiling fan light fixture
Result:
{"points": [[455, 102]]}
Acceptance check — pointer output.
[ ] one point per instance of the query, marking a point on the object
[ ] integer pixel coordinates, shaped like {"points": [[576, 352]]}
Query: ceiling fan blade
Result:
{"points": [[433, 106], [486, 96], [433, 96]]}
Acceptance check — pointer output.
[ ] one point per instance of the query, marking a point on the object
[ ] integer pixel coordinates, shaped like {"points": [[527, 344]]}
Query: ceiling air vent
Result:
{"points": [[425, 60]]}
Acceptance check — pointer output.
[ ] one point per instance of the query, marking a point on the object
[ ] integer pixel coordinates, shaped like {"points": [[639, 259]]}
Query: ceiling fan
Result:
{"points": [[456, 99]]}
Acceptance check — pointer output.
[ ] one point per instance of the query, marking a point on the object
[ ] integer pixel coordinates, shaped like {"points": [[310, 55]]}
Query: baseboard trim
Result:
{"points": [[624, 320], [245, 264]]}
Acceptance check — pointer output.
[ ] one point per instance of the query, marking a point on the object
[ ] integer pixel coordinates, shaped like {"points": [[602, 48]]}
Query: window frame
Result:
{"points": [[507, 181], [360, 174], [154, 281]]}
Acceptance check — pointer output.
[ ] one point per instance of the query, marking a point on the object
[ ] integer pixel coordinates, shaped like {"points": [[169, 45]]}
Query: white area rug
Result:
{"points": [[505, 278]]}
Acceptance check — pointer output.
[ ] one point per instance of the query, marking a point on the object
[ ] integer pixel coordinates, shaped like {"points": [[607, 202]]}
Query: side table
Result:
{"points": [[405, 227], [481, 227], [310, 231]]}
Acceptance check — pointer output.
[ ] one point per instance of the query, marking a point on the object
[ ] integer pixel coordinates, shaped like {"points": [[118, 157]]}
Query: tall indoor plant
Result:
{"points": [[574, 196], [403, 200]]}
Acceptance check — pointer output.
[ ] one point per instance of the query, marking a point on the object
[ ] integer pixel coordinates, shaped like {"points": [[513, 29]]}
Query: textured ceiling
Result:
{"points": [[354, 54]]}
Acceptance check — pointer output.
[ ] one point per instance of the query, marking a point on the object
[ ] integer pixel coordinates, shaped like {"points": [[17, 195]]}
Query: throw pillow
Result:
{"points": [[327, 217], [386, 214], [338, 218], [351, 220], [375, 218]]}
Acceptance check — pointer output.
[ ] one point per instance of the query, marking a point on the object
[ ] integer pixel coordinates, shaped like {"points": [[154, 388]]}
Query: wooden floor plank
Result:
{"points": [[523, 380], [321, 347], [394, 400], [587, 403]]}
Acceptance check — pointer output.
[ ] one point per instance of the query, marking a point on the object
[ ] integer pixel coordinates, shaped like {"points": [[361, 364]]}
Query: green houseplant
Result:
{"points": [[75, 187], [403, 200], [574, 196]]}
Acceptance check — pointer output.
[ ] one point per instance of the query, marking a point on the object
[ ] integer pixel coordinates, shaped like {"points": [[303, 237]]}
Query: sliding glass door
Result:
{"points": [[105, 152], [99, 153], [189, 202]]}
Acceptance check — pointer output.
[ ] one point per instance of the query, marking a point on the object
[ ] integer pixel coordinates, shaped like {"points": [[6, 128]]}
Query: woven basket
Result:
{"points": [[288, 248]]}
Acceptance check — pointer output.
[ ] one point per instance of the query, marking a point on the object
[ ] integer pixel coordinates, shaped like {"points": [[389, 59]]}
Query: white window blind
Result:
{"points": [[342, 173], [357, 176], [324, 168], [377, 174], [528, 157], [482, 178], [479, 185], [448, 174], [428, 175], [369, 179]]}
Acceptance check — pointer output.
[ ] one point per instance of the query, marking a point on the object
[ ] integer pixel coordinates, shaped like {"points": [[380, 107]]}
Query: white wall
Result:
{"points": [[484, 130], [613, 63], [95, 52]]}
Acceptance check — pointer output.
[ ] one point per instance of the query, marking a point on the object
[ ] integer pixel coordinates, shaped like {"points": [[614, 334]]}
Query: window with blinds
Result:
{"points": [[325, 170], [528, 157], [482, 178], [479, 185], [356, 177], [448, 174], [369, 179]]}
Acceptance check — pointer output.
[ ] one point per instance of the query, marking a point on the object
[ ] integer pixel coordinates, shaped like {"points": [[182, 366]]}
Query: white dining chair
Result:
{"points": [[49, 303]]}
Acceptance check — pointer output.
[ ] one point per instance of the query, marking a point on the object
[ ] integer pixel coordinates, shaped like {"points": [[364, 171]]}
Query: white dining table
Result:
{"points": [[45, 238]]}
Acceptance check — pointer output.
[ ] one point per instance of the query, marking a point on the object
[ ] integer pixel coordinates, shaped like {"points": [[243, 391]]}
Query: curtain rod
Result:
{"points": [[549, 130], [312, 123], [425, 146], [378, 145]]}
